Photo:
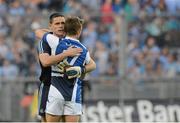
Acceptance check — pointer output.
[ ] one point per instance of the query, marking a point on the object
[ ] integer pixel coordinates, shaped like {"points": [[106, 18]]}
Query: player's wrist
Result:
{"points": [[65, 54], [83, 69]]}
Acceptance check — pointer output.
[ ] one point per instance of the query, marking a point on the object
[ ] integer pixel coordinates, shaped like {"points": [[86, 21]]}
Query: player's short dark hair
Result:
{"points": [[54, 15], [73, 25]]}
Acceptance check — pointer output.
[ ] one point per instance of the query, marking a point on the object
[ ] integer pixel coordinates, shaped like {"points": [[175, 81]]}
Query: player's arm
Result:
{"points": [[39, 33], [80, 71], [90, 66], [48, 60], [77, 71], [49, 40]]}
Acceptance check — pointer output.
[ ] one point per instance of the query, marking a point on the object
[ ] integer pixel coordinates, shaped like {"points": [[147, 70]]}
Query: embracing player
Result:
{"points": [[65, 95], [56, 24], [56, 72]]}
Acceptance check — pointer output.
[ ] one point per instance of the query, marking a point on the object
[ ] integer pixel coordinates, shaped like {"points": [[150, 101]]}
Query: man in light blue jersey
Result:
{"points": [[64, 99]]}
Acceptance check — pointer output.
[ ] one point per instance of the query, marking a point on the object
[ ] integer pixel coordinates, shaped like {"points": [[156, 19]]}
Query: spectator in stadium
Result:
{"points": [[117, 6], [107, 12], [16, 8], [3, 8], [101, 57], [131, 10], [9, 69], [172, 66], [89, 35]]}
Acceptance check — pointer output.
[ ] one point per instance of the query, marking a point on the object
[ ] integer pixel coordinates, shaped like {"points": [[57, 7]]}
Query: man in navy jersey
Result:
{"points": [[64, 99], [56, 22]]}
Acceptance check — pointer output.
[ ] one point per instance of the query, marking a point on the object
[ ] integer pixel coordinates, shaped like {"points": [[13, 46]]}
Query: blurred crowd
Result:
{"points": [[152, 45]]}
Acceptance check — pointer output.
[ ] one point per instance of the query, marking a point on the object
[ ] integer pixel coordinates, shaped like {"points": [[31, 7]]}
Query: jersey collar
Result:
{"points": [[71, 38]]}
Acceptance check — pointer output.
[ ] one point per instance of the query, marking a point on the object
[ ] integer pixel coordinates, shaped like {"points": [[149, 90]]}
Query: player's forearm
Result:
{"points": [[40, 32], [51, 60], [91, 66]]}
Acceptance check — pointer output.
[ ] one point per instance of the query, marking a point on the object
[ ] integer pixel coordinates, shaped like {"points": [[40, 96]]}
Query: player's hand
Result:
{"points": [[83, 75], [62, 65], [72, 51], [74, 72]]}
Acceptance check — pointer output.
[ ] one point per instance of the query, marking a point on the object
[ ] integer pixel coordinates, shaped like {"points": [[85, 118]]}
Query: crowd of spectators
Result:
{"points": [[153, 28]]}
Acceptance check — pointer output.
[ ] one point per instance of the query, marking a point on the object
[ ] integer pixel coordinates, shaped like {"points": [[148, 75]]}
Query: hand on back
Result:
{"points": [[72, 51]]}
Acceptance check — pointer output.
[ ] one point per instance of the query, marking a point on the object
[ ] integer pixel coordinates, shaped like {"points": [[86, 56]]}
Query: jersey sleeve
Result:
{"points": [[87, 59], [43, 47], [51, 40]]}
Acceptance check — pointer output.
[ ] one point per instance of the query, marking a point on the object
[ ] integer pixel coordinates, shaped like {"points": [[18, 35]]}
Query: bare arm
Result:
{"points": [[91, 66], [40, 32], [48, 60]]}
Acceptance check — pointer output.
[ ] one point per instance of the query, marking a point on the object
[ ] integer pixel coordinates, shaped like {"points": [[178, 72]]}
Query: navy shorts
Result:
{"points": [[42, 98]]}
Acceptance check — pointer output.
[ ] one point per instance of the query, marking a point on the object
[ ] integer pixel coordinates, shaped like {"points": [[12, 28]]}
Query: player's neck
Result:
{"points": [[73, 36], [60, 36]]}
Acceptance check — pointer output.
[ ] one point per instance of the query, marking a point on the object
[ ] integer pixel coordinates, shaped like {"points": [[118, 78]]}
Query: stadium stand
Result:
{"points": [[152, 44]]}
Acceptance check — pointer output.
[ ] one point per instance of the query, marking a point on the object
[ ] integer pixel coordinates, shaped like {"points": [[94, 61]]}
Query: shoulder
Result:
{"points": [[83, 46]]}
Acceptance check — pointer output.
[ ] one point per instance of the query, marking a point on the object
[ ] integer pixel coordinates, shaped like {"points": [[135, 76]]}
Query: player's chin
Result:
{"points": [[61, 34]]}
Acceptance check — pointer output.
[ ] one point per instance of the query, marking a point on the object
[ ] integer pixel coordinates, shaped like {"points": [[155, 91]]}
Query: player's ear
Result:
{"points": [[50, 26], [79, 32]]}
